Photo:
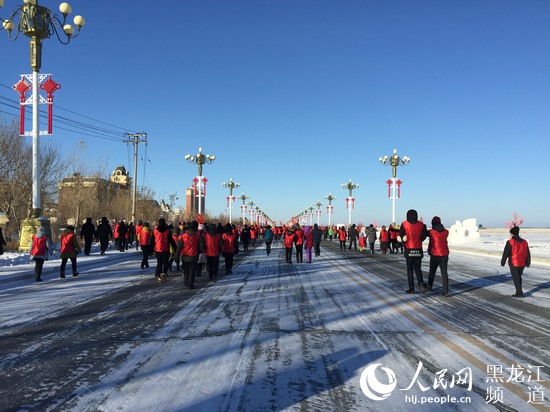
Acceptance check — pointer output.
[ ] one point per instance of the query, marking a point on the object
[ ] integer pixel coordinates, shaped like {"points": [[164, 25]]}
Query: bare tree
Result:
{"points": [[15, 174]]}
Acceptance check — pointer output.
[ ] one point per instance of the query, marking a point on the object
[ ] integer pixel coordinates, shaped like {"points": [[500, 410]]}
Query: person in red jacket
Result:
{"points": [[162, 240], [299, 242], [384, 240], [229, 248], [342, 236], [288, 241], [41, 247], [516, 251], [190, 250], [412, 233], [144, 240], [69, 249], [438, 249], [138, 228], [308, 243], [213, 248]]}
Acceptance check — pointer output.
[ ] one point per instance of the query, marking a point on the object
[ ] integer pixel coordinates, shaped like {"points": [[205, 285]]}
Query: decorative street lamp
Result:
{"points": [[231, 185], [394, 161], [350, 200], [251, 204], [38, 23], [330, 208], [318, 204], [200, 159], [243, 197]]}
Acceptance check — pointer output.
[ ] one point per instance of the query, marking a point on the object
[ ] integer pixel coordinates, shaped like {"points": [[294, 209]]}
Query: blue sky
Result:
{"points": [[297, 97]]}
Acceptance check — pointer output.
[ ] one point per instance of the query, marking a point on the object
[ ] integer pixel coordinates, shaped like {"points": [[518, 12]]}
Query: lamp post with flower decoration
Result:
{"points": [[230, 199], [200, 159], [38, 23], [350, 200], [394, 161]]}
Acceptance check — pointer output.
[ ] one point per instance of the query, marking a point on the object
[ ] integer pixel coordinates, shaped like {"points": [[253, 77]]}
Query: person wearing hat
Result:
{"points": [[412, 233], [516, 251], [438, 249], [69, 248]]}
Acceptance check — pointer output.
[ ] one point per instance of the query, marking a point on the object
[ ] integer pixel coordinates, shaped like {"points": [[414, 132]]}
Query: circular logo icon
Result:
{"points": [[372, 387]]}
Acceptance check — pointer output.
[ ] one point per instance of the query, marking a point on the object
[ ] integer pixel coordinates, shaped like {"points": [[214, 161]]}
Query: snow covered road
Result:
{"points": [[335, 335]]}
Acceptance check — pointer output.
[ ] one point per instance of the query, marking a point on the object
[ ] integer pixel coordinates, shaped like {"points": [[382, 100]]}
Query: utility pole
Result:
{"points": [[135, 139]]}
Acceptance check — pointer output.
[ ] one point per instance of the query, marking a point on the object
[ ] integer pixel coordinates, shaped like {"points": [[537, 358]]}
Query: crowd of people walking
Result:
{"points": [[193, 248]]}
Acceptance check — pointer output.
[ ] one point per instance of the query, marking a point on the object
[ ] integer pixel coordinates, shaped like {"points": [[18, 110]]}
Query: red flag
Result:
{"points": [[200, 219]]}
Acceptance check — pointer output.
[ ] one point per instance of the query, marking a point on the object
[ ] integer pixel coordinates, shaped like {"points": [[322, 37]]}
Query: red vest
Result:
{"points": [[299, 239], [67, 245], [38, 245], [161, 241], [384, 236], [289, 239], [438, 243], [144, 237], [342, 235], [414, 234], [228, 243], [212, 244], [518, 257], [190, 244]]}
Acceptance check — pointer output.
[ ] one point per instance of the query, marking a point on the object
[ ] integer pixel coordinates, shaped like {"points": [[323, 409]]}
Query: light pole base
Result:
{"points": [[28, 229]]}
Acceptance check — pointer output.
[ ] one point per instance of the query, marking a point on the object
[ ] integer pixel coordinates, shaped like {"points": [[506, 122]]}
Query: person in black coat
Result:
{"points": [[104, 233], [317, 236], [517, 253], [2, 242], [88, 233]]}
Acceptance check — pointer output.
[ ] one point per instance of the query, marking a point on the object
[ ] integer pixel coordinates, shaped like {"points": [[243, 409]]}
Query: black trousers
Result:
{"points": [[213, 263], [228, 262], [87, 245], [162, 262], [288, 254], [414, 264], [300, 253], [189, 273], [317, 248], [439, 262], [38, 264], [146, 251], [517, 272], [64, 263]]}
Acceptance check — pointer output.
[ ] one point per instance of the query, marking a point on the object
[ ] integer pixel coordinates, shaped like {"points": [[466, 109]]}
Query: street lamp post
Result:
{"points": [[251, 204], [200, 159], [231, 185], [38, 23], [330, 208], [394, 161], [318, 204], [350, 200], [243, 197]]}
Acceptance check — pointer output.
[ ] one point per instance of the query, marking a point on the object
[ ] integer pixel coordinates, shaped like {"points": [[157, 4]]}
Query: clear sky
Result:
{"points": [[297, 97]]}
